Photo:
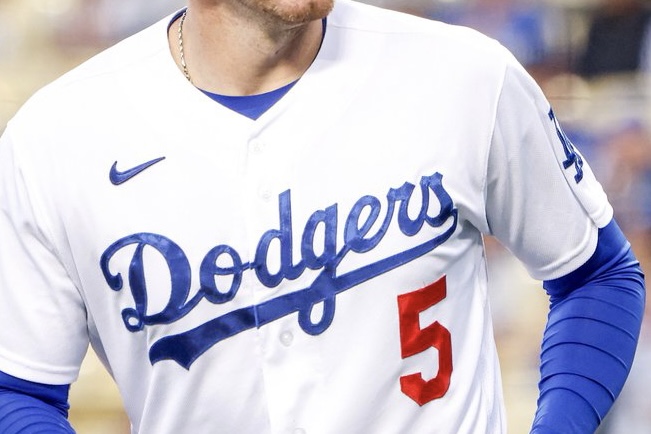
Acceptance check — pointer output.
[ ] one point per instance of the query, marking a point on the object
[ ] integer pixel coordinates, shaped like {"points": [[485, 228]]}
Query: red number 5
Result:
{"points": [[414, 340]]}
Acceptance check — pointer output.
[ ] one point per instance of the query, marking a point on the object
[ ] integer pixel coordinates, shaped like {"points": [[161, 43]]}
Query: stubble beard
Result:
{"points": [[291, 12]]}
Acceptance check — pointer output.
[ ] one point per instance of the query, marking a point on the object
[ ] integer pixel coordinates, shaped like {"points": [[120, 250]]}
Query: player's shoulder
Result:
{"points": [[361, 17], [404, 44]]}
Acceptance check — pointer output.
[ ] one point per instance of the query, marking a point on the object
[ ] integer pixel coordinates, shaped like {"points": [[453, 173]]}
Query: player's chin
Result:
{"points": [[303, 11]]}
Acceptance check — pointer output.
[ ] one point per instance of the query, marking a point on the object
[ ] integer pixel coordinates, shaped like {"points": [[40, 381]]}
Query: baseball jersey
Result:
{"points": [[317, 270]]}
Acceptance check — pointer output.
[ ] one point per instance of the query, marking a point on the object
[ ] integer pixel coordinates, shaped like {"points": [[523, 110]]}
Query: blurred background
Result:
{"points": [[591, 57]]}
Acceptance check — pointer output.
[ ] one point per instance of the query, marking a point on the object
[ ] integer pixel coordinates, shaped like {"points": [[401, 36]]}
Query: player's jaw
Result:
{"points": [[291, 11]]}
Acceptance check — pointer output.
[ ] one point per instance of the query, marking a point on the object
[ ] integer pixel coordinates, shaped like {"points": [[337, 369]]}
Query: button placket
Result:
{"points": [[256, 146], [265, 195], [286, 338]]}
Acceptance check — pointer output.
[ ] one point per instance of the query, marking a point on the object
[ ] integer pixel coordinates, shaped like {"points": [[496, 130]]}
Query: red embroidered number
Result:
{"points": [[414, 340]]}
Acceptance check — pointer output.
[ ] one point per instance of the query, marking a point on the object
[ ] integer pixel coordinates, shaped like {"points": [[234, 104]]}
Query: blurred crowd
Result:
{"points": [[591, 57]]}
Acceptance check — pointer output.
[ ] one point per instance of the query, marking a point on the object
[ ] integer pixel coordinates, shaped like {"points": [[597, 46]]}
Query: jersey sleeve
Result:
{"points": [[43, 332], [542, 199], [545, 205]]}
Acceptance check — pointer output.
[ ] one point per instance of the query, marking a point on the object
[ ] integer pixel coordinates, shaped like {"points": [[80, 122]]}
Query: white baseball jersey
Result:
{"points": [[317, 270]]}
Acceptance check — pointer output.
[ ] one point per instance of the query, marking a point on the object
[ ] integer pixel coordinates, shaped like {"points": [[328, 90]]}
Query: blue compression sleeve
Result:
{"points": [[30, 408], [590, 337]]}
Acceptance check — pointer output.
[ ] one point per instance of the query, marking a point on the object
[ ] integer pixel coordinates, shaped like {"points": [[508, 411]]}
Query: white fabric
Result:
{"points": [[389, 100]]}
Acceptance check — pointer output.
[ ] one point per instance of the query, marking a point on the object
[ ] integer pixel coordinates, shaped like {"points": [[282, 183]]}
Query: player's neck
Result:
{"points": [[229, 54]]}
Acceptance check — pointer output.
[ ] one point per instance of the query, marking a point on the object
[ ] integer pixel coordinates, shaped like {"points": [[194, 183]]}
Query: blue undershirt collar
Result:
{"points": [[251, 106], [254, 106]]}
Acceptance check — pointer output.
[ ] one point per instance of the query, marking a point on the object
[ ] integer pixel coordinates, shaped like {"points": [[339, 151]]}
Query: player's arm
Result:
{"points": [[43, 323], [590, 337], [27, 407], [545, 205]]}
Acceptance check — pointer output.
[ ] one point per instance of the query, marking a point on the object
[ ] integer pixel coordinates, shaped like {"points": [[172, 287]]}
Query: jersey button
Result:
{"points": [[286, 338], [256, 146]]}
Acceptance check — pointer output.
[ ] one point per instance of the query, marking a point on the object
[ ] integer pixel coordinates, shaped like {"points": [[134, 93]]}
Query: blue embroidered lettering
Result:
{"points": [[209, 269], [354, 235], [186, 347], [136, 318], [573, 158], [328, 219], [287, 269]]}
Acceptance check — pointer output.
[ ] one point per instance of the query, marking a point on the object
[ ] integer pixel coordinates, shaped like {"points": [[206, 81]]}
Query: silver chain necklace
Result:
{"points": [[181, 51]]}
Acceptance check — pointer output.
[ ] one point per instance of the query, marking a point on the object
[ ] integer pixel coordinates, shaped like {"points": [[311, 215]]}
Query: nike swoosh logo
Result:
{"points": [[118, 177]]}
